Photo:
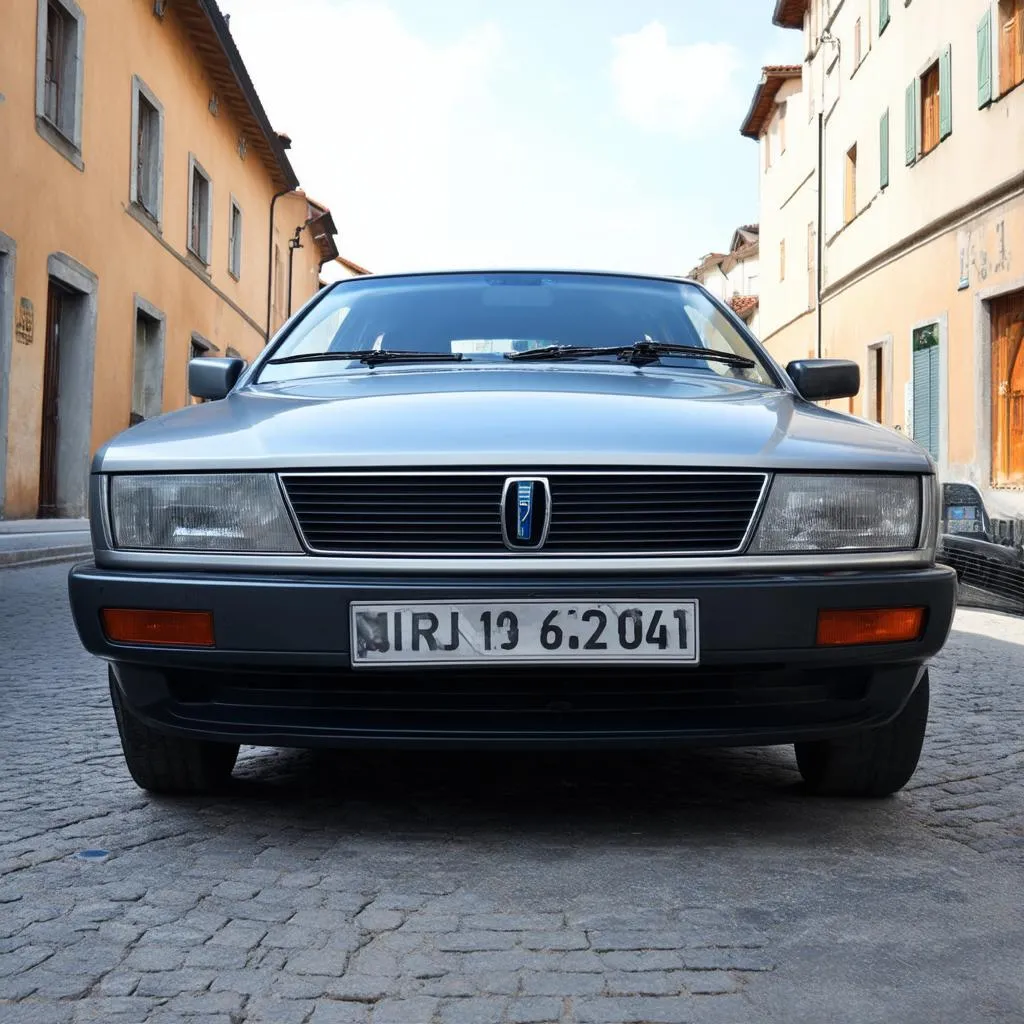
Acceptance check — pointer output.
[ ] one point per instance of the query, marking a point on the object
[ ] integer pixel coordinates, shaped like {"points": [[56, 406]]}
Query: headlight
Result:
{"points": [[840, 513], [240, 512]]}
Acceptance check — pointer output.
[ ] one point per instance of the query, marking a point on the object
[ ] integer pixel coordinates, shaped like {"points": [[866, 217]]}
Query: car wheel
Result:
{"points": [[169, 764], [871, 763]]}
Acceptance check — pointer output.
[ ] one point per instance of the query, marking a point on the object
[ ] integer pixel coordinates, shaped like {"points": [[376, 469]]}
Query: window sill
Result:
{"points": [[233, 275], [1001, 96], [197, 262], [859, 65], [47, 130], [924, 155], [143, 213]]}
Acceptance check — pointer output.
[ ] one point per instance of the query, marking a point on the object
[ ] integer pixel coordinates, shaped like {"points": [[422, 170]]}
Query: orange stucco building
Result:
{"points": [[138, 172]]}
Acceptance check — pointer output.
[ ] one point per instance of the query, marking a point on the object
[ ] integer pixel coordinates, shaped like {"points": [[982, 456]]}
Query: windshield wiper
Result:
{"points": [[370, 357], [640, 353]]}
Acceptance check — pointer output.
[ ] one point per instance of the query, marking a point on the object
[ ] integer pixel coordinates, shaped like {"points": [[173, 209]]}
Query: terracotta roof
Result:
{"points": [[211, 37], [712, 260], [744, 252], [354, 267], [789, 13], [744, 235], [744, 305], [763, 104]]}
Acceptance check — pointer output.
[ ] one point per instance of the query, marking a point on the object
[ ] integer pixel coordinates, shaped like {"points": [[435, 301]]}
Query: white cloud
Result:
{"points": [[673, 88], [430, 157], [375, 113]]}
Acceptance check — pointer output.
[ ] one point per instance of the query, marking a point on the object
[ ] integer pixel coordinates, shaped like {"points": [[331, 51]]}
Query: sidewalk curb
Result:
{"points": [[43, 556]]}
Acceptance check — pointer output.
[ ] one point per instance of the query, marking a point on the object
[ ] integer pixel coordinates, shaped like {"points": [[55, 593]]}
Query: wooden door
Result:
{"points": [[51, 405], [1008, 390]]}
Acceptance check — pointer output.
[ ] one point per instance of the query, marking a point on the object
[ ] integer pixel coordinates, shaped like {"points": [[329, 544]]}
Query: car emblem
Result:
{"points": [[525, 513]]}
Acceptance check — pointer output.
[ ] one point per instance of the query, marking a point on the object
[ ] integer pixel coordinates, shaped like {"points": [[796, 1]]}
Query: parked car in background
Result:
{"points": [[988, 568], [516, 510]]}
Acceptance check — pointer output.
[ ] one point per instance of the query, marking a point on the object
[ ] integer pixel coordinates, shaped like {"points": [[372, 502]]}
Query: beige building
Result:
{"points": [[138, 178], [916, 210], [733, 276]]}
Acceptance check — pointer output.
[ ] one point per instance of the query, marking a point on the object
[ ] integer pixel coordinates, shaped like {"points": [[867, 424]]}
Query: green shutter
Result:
{"points": [[985, 59], [883, 15], [911, 122], [946, 93], [883, 150]]}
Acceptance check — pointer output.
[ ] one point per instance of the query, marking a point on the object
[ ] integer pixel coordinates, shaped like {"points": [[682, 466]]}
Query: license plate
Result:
{"points": [[533, 632]]}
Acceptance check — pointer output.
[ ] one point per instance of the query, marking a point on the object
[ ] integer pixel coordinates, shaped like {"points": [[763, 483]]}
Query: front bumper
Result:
{"points": [[280, 675]]}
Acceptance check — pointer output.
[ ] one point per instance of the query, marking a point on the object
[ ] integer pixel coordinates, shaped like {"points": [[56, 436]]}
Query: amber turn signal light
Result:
{"points": [[159, 628], [841, 626]]}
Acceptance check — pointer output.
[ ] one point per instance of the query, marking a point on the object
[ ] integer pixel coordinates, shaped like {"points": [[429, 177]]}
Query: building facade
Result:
{"points": [[138, 176], [907, 181], [734, 276]]}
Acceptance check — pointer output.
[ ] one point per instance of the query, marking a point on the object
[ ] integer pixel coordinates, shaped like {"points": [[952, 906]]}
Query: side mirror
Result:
{"points": [[213, 378], [820, 379]]}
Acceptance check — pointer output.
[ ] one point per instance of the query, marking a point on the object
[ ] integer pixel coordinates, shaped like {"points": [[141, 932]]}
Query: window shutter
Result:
{"points": [[946, 93], [883, 15], [883, 151], [911, 123], [926, 399], [985, 59]]}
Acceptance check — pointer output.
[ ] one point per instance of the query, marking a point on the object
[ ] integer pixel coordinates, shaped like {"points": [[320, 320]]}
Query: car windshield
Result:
{"points": [[484, 316]]}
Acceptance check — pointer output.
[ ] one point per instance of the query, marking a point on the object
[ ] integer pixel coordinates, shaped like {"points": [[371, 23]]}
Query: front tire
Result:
{"points": [[871, 763], [169, 764]]}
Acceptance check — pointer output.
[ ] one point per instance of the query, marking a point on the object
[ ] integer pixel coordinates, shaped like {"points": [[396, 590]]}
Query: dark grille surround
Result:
{"points": [[613, 513]]}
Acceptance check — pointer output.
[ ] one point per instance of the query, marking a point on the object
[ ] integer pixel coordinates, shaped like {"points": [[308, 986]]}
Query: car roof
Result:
{"points": [[531, 271]]}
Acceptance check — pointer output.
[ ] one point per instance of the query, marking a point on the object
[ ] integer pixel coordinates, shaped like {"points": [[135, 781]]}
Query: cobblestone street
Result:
{"points": [[701, 886]]}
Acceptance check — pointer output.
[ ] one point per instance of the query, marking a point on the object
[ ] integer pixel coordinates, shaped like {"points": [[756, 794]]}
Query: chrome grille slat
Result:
{"points": [[449, 513]]}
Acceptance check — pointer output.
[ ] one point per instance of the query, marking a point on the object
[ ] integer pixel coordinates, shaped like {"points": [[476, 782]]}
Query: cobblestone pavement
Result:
{"points": [[355, 888]]}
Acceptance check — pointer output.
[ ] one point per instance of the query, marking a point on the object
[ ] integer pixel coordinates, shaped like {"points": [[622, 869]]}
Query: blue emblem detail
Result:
{"points": [[524, 510]]}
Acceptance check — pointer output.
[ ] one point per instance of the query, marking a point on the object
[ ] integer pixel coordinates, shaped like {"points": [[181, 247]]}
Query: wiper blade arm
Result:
{"points": [[370, 357], [639, 353]]}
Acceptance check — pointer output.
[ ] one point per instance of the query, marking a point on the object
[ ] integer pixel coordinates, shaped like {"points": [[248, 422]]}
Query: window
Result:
{"points": [[883, 15], [850, 201], [235, 240], [1011, 44], [883, 151], [857, 50], [782, 128], [1008, 390], [60, 33], [147, 150], [930, 109], [148, 367], [767, 151], [926, 388], [197, 348], [782, 260], [199, 201], [879, 398]]}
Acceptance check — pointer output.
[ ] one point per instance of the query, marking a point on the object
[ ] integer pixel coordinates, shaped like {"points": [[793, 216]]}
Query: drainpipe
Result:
{"points": [[293, 244], [826, 37], [819, 234], [270, 256]]}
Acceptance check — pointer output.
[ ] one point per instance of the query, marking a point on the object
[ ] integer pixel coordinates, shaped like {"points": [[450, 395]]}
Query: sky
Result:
{"points": [[589, 134]]}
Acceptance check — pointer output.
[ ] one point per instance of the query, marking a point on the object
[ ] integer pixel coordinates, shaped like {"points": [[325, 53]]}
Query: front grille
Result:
{"points": [[591, 513]]}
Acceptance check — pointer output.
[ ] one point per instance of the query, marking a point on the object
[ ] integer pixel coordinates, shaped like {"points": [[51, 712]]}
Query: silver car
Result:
{"points": [[516, 509]]}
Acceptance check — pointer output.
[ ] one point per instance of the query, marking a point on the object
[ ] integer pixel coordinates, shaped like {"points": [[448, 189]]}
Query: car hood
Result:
{"points": [[523, 417]]}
